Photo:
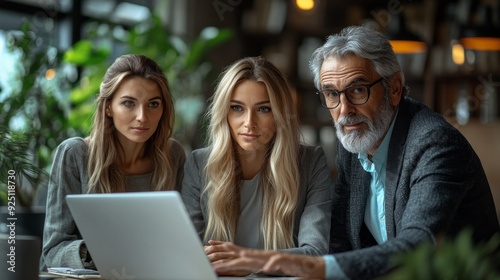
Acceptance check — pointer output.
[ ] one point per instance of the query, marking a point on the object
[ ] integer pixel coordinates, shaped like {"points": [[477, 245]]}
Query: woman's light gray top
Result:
{"points": [[62, 243], [313, 212], [247, 230]]}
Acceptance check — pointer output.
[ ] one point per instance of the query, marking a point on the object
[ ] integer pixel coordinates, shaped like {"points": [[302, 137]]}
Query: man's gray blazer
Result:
{"points": [[435, 185]]}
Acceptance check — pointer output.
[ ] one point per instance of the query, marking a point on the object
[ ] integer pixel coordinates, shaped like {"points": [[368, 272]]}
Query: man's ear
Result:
{"points": [[396, 89]]}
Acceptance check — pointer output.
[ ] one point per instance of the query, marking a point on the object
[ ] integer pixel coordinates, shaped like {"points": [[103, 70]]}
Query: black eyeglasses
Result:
{"points": [[355, 94]]}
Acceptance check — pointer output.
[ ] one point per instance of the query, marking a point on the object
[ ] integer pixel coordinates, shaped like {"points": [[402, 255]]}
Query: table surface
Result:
{"points": [[47, 276]]}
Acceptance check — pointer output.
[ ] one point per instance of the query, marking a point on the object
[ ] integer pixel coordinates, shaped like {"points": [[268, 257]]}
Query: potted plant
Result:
{"points": [[33, 123], [19, 176]]}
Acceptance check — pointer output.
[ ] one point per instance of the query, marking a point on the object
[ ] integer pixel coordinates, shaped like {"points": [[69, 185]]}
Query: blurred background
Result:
{"points": [[53, 54]]}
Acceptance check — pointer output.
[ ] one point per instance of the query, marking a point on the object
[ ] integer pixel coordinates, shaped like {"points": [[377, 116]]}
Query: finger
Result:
{"points": [[213, 248], [215, 242], [207, 249], [224, 247], [213, 257], [230, 247], [216, 248]]}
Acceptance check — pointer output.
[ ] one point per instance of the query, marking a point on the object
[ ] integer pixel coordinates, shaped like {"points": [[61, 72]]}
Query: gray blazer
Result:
{"points": [[62, 242], [312, 217], [435, 185]]}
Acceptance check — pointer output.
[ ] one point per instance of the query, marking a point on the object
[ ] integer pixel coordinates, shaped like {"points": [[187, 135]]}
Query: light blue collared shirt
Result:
{"points": [[375, 210]]}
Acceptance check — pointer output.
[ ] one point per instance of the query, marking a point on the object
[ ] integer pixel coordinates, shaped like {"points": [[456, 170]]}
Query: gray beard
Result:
{"points": [[361, 141]]}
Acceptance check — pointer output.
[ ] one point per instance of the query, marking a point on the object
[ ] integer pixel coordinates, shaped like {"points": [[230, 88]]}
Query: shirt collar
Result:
{"points": [[380, 156]]}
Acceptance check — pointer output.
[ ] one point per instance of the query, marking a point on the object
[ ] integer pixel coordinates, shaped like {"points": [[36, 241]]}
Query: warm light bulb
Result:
{"points": [[407, 47], [458, 53], [481, 43], [305, 5], [50, 74]]}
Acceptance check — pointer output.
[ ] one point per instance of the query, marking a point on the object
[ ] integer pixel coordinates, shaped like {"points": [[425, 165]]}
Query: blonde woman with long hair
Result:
{"points": [[255, 184], [129, 149]]}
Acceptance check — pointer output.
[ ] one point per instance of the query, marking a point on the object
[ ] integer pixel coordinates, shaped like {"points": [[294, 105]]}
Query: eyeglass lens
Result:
{"points": [[355, 94]]}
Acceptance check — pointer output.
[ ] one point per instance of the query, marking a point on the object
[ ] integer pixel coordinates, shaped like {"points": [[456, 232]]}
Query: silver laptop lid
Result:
{"points": [[140, 235]]}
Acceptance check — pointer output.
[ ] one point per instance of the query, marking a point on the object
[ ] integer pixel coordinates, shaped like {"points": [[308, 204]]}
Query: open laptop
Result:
{"points": [[141, 236]]}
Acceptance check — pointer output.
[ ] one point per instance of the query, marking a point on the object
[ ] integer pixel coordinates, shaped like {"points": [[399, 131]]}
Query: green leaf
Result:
{"points": [[83, 53], [82, 117]]}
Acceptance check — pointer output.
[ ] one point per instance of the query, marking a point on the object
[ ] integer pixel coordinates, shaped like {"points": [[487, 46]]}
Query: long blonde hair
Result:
{"points": [[105, 175], [280, 174]]}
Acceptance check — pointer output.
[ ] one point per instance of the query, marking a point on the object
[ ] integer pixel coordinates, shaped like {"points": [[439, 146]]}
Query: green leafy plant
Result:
{"points": [[33, 114], [17, 162], [93, 60], [458, 258]]}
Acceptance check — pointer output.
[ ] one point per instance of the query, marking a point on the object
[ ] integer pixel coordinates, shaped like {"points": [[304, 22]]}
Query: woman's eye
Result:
{"points": [[236, 108], [154, 104], [264, 109], [128, 103]]}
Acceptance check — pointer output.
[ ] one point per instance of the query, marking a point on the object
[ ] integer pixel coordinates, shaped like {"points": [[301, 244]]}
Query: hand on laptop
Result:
{"points": [[218, 253], [270, 262]]}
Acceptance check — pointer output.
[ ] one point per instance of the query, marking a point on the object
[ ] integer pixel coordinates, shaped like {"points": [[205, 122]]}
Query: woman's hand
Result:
{"points": [[220, 252]]}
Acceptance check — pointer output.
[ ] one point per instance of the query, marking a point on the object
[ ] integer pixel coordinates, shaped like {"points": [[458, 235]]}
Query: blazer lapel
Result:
{"points": [[394, 164], [359, 192]]}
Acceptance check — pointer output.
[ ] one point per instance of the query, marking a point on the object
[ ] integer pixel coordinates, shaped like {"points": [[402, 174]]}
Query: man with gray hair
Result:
{"points": [[406, 176]]}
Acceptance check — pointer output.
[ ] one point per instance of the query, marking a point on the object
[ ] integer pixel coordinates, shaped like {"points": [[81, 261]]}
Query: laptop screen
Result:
{"points": [[141, 235]]}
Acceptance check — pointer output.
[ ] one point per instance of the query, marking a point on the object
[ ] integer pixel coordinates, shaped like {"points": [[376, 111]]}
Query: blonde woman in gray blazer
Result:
{"points": [[256, 185]]}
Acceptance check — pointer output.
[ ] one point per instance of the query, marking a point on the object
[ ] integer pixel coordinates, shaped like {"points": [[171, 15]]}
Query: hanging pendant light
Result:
{"points": [[485, 34], [481, 39], [407, 45], [404, 41]]}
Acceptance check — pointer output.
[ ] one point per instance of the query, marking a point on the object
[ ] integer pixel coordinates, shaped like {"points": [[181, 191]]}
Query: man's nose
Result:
{"points": [[345, 107]]}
